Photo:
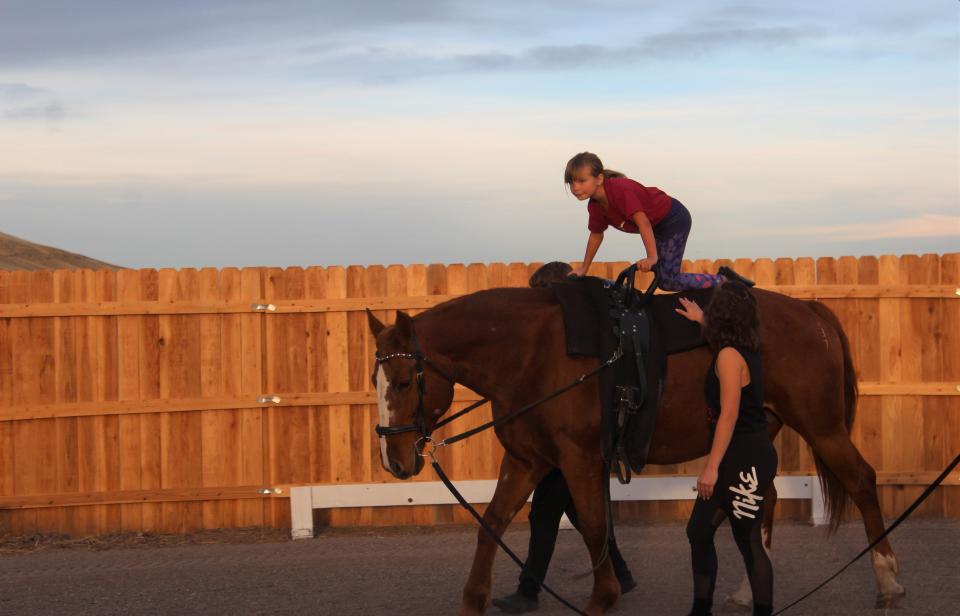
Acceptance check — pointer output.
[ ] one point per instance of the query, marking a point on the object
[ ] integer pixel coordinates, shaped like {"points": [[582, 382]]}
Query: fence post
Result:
{"points": [[301, 513]]}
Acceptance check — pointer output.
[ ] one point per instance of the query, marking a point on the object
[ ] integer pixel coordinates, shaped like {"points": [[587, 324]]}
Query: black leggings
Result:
{"points": [[550, 500], [745, 473]]}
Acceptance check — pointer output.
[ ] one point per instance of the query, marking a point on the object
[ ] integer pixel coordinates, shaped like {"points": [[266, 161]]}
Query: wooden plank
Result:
{"points": [[848, 311], [868, 419], [319, 429], [151, 345], [374, 283], [286, 370], [891, 369], [227, 423], [358, 375], [949, 329], [338, 379], [172, 495], [106, 285], [38, 309], [359, 304], [251, 455], [129, 332], [34, 441], [297, 399], [7, 440], [180, 433], [66, 289], [217, 428], [922, 343]]}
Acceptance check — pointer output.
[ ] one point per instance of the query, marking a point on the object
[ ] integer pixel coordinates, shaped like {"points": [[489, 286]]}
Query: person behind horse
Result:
{"points": [[742, 461], [551, 499], [662, 222]]}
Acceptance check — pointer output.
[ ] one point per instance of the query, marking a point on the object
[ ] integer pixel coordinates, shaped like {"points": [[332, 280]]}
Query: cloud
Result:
{"points": [[20, 101], [58, 30], [391, 64], [19, 91], [923, 226]]}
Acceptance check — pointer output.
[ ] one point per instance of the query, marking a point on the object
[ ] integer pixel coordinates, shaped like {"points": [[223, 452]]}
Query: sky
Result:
{"points": [[196, 133]]}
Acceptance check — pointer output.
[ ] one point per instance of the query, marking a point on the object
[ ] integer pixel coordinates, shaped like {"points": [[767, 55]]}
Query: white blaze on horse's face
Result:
{"points": [[386, 414]]}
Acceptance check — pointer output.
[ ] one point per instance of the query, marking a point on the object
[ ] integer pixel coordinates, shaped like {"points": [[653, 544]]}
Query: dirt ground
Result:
{"points": [[422, 570]]}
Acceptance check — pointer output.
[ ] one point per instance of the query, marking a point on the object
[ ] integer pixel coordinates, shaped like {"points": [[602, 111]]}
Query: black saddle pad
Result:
{"points": [[587, 324]]}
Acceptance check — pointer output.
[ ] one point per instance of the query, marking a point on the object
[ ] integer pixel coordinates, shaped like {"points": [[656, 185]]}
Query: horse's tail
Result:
{"points": [[834, 494]]}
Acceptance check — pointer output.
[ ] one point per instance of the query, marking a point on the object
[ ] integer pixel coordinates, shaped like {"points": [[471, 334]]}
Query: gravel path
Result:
{"points": [[421, 571]]}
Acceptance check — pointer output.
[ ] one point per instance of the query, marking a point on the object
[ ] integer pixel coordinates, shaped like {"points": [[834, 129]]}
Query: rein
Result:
{"points": [[419, 423]]}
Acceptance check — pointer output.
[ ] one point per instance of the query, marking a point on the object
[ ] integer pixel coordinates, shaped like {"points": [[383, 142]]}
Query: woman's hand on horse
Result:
{"points": [[578, 271], [691, 310], [705, 483], [645, 265]]}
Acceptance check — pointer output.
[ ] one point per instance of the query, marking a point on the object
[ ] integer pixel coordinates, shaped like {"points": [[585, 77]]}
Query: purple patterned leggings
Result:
{"points": [[671, 237]]}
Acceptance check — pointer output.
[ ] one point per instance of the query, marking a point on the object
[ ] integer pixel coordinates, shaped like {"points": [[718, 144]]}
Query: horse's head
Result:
{"points": [[412, 394]]}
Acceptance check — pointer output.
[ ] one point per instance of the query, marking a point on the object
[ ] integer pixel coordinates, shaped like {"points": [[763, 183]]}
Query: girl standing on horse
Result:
{"points": [[742, 461], [662, 222]]}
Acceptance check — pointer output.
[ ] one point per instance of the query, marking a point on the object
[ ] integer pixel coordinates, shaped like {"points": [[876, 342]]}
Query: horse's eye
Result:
{"points": [[401, 385]]}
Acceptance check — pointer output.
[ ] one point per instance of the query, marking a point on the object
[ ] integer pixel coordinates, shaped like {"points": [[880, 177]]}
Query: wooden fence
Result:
{"points": [[144, 399]]}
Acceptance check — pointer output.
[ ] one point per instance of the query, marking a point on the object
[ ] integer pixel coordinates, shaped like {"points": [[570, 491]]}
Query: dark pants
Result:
{"points": [[745, 473], [550, 500], [671, 236]]}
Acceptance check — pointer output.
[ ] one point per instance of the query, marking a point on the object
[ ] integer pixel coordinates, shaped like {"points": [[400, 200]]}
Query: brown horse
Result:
{"points": [[508, 345]]}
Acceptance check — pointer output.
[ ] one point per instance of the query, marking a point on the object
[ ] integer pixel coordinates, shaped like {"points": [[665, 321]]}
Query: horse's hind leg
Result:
{"points": [[514, 486], [860, 482], [585, 477]]}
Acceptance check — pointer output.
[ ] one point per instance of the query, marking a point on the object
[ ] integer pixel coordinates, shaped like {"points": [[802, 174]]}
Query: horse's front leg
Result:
{"points": [[586, 478], [516, 482]]}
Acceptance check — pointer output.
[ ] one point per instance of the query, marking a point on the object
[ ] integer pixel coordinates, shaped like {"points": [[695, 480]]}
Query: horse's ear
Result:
{"points": [[375, 325], [404, 325]]}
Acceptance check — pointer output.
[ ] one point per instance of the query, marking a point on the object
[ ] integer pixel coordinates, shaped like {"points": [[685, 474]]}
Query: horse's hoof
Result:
{"points": [[737, 604], [602, 606], [890, 599], [516, 603], [473, 604]]}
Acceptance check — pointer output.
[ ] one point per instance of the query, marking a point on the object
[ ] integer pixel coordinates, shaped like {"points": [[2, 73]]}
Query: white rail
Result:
{"points": [[304, 499]]}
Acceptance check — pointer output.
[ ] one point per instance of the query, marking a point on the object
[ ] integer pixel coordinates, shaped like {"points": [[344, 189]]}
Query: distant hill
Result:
{"points": [[18, 254]]}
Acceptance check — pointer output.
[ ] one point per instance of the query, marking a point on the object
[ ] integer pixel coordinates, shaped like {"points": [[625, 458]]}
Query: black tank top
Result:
{"points": [[751, 418]]}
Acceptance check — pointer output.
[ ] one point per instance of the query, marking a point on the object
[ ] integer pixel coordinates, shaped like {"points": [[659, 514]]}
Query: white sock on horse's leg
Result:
{"points": [[743, 597]]}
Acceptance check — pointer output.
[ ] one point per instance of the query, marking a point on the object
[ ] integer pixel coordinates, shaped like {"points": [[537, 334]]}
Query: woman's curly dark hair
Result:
{"points": [[731, 318]]}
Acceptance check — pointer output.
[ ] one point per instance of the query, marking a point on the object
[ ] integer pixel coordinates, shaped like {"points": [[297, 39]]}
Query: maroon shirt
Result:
{"points": [[625, 198]]}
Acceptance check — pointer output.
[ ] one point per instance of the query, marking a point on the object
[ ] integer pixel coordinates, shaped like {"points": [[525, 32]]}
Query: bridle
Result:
{"points": [[419, 422]]}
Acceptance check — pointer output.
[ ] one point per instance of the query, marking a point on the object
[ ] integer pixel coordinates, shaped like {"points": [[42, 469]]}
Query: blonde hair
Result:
{"points": [[592, 162]]}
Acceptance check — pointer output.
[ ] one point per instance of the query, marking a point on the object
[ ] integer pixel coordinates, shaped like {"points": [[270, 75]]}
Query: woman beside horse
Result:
{"points": [[742, 461]]}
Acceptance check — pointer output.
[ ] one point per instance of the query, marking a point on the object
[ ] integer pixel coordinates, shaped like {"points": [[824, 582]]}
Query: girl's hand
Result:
{"points": [[578, 271], [645, 265], [705, 483], [691, 310]]}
